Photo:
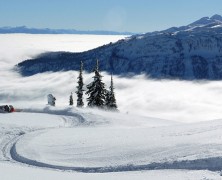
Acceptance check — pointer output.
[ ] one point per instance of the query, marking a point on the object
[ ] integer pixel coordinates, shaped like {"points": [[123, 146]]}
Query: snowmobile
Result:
{"points": [[7, 109]]}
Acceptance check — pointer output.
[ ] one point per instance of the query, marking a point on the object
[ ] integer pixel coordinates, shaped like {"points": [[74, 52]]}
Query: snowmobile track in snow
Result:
{"points": [[11, 154], [212, 164], [7, 147]]}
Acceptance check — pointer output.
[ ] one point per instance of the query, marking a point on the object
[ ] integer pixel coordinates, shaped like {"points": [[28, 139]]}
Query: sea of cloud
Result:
{"points": [[184, 101]]}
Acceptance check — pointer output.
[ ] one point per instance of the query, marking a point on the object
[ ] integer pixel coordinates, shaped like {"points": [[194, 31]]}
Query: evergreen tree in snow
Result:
{"points": [[96, 90], [110, 97], [71, 100], [80, 90], [107, 97]]}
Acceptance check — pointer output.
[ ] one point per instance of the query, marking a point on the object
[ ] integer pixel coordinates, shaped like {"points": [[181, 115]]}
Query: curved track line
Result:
{"points": [[213, 164], [7, 148]]}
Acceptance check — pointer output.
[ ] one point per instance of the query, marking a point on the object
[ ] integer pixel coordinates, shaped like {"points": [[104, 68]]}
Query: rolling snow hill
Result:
{"points": [[188, 52], [68, 143]]}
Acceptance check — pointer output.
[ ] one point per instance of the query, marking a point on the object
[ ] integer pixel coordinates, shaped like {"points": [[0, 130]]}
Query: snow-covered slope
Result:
{"points": [[94, 141], [188, 52]]}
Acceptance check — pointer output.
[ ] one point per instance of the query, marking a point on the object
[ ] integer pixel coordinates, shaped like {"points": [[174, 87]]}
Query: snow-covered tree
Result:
{"points": [[71, 100], [110, 97], [51, 100], [96, 90], [80, 90]]}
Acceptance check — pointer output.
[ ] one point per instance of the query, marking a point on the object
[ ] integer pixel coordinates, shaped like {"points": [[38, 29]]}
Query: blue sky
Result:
{"points": [[116, 15]]}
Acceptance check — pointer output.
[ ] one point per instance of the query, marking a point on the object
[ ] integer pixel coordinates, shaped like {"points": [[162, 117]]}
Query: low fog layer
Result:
{"points": [[174, 100]]}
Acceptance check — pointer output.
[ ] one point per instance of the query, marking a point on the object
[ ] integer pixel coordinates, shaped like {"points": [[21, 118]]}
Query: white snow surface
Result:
{"points": [[109, 146], [64, 142], [26, 173], [84, 141]]}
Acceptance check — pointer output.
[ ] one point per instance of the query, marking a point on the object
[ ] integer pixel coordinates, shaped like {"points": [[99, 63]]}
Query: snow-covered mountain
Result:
{"points": [[188, 52]]}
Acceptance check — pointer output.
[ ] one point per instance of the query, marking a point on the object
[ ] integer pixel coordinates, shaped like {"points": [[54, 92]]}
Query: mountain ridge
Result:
{"points": [[24, 29], [191, 52]]}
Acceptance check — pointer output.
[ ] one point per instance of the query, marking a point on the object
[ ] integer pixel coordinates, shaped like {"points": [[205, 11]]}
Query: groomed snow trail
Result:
{"points": [[94, 143], [13, 130]]}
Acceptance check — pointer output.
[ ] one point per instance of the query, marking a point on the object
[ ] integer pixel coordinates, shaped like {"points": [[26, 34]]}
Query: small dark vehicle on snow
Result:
{"points": [[7, 109]]}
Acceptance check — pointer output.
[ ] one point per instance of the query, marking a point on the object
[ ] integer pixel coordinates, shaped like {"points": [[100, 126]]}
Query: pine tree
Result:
{"points": [[96, 90], [71, 100], [80, 90], [110, 97], [107, 98]]}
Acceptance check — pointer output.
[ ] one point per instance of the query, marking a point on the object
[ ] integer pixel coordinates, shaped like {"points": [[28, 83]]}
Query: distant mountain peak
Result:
{"points": [[202, 21], [202, 24], [216, 17], [207, 20]]}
